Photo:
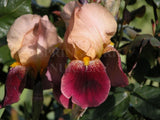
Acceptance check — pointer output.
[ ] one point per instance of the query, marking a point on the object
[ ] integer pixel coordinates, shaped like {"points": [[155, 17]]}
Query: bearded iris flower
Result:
{"points": [[95, 64], [31, 39]]}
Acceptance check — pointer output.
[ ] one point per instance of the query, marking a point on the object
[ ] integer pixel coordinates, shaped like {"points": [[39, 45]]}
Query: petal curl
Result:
{"points": [[68, 10], [90, 28], [18, 30], [112, 61], [15, 84], [87, 86], [54, 73]]}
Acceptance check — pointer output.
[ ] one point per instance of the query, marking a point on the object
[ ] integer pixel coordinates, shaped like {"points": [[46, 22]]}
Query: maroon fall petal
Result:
{"points": [[46, 83], [54, 73], [112, 61], [86, 86], [15, 84]]}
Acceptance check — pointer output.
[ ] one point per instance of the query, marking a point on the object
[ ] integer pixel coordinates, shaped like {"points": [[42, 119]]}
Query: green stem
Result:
{"points": [[37, 98], [121, 29]]}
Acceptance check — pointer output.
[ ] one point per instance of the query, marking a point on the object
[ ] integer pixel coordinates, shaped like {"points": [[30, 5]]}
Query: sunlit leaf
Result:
{"points": [[1, 111], [10, 10], [157, 79], [44, 3], [154, 3], [40, 7], [155, 42], [157, 2], [130, 32]]}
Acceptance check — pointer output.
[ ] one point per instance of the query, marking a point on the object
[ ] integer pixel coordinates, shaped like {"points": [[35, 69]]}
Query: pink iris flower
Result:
{"points": [[95, 64], [31, 39]]}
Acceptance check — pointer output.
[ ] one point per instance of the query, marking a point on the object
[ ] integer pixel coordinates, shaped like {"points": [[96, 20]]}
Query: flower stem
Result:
{"points": [[37, 98], [121, 28]]}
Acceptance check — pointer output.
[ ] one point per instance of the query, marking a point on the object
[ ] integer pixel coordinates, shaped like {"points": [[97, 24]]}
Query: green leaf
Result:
{"points": [[114, 107], [1, 112], [143, 46], [154, 74], [157, 2], [154, 2], [1, 97], [155, 42], [144, 39], [130, 2], [5, 56], [156, 79], [44, 3], [3, 41], [146, 101], [9, 11]]}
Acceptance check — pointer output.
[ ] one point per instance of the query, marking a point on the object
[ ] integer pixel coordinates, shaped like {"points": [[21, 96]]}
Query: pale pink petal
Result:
{"points": [[112, 62], [21, 26], [32, 39], [15, 84], [86, 86], [55, 71], [68, 10], [90, 29]]}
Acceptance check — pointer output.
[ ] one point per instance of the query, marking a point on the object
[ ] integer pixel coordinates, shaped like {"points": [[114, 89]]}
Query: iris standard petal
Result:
{"points": [[32, 39], [86, 86], [112, 61], [15, 84], [68, 10], [90, 28]]}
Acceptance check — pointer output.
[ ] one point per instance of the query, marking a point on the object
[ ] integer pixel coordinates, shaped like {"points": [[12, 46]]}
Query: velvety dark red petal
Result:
{"points": [[14, 85], [46, 83], [112, 61], [86, 86], [55, 71]]}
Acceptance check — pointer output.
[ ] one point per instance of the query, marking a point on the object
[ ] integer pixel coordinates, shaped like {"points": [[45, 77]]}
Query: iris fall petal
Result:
{"points": [[46, 83], [86, 86], [15, 84], [112, 61], [55, 71]]}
